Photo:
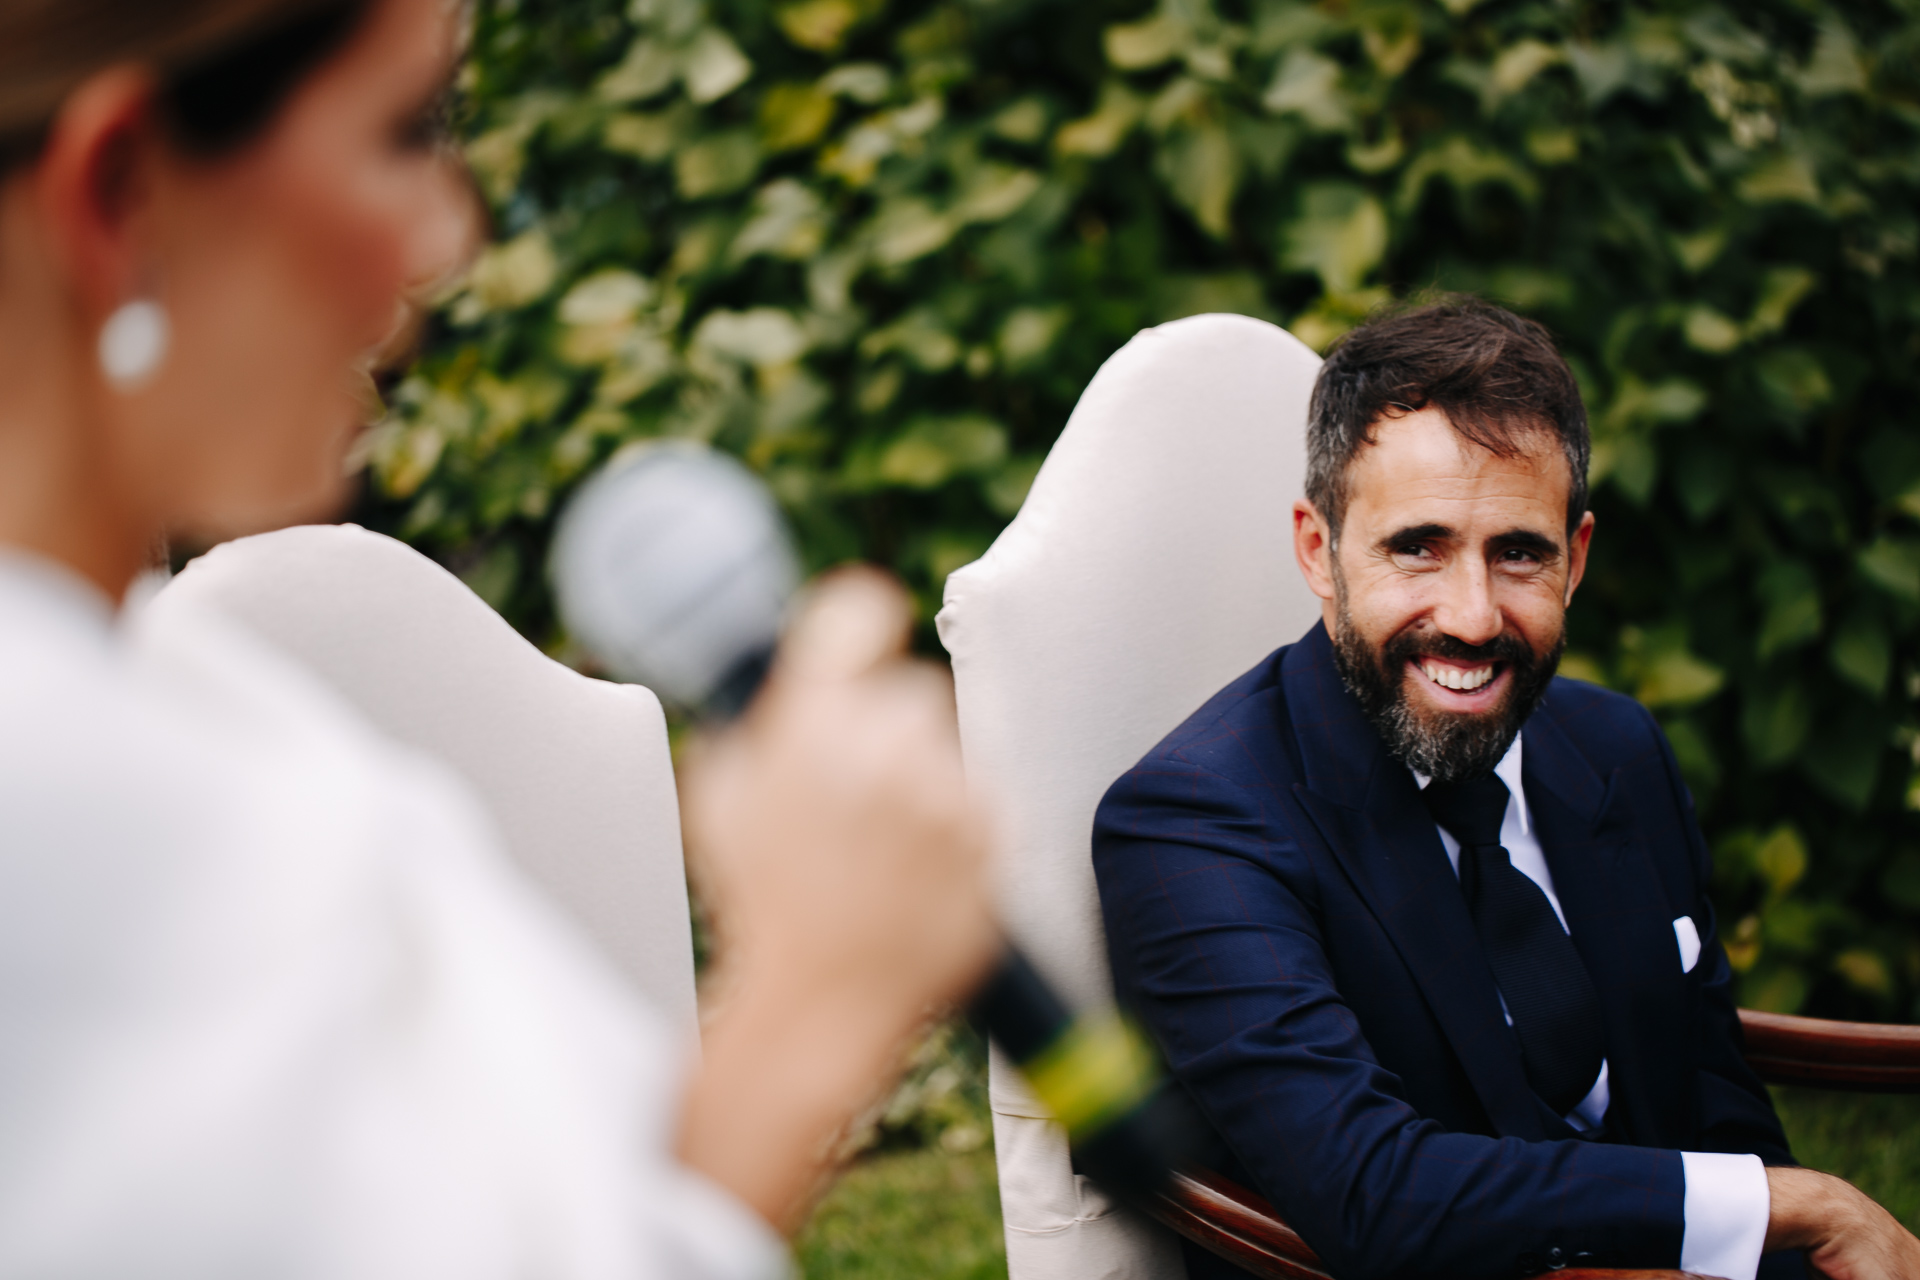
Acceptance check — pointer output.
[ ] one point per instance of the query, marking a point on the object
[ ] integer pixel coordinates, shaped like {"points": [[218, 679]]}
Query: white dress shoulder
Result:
{"points": [[273, 1002]]}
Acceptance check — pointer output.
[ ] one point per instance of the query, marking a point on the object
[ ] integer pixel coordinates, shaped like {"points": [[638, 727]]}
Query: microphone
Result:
{"points": [[673, 567]]}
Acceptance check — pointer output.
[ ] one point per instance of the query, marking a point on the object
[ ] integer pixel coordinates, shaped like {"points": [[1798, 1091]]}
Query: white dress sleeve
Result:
{"points": [[277, 1005]]}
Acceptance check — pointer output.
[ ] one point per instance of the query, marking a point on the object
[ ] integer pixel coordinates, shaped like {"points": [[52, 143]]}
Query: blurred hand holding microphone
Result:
{"points": [[674, 569]]}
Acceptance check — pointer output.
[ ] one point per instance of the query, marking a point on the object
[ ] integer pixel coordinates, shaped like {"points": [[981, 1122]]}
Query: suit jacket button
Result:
{"points": [[1556, 1259], [1529, 1264]]}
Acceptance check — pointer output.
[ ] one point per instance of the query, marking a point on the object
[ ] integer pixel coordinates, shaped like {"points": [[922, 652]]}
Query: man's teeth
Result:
{"points": [[1465, 679]]}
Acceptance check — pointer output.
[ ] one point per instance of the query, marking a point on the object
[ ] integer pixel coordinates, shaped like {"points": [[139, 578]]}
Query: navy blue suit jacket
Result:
{"points": [[1281, 914]]}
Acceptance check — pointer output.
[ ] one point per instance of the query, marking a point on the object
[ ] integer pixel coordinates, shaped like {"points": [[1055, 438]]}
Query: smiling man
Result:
{"points": [[1422, 928]]}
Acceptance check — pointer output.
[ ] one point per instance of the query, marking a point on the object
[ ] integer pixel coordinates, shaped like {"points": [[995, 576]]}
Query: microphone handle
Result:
{"points": [[1095, 1071]]}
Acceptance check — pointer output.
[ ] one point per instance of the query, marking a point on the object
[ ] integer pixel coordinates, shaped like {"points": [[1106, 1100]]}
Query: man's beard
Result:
{"points": [[1446, 746]]}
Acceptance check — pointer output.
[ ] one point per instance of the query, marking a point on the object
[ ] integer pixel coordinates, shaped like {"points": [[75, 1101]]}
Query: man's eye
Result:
{"points": [[1516, 556]]}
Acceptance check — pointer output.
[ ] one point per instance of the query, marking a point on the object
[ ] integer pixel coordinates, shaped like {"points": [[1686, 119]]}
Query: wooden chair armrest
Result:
{"points": [[1225, 1218], [1872, 1057]]}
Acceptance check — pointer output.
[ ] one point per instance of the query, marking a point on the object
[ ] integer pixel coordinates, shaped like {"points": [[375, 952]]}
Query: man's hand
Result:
{"points": [[1846, 1235]]}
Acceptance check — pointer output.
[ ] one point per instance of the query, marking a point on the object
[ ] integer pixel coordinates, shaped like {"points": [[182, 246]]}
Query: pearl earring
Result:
{"points": [[134, 342]]}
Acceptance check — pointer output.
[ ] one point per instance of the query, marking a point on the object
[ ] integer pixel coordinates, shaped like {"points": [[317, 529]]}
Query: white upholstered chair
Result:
{"points": [[575, 771], [1151, 563]]}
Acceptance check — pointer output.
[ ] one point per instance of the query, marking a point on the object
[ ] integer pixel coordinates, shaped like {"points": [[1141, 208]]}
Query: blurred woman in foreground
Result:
{"points": [[271, 1002]]}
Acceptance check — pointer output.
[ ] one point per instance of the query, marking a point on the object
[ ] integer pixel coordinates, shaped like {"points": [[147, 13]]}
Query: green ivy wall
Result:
{"points": [[877, 247]]}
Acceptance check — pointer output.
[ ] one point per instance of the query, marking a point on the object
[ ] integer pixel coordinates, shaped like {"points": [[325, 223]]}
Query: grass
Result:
{"points": [[1871, 1141], [909, 1215]]}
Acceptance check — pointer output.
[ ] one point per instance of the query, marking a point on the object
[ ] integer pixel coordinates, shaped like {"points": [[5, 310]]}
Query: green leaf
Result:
{"points": [[1514, 67], [819, 25], [1694, 753], [1390, 34], [993, 192], [760, 336], [1865, 970], [646, 72], [1900, 882], [1781, 290], [1703, 477], [794, 115], [1862, 652], [1008, 488], [1139, 45], [713, 66], [1795, 381], [717, 165], [1836, 66], [1782, 859], [1028, 333], [1102, 132], [932, 450], [1707, 330], [514, 274], [1307, 84], [613, 296], [649, 136], [1774, 719], [1786, 177], [788, 220], [1893, 564], [1780, 990], [1843, 758], [1792, 614], [1203, 169], [1666, 672], [908, 229], [1340, 234], [1466, 165]]}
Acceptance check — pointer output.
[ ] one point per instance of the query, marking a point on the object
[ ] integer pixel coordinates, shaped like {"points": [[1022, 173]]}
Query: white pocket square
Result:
{"points": [[1689, 938]]}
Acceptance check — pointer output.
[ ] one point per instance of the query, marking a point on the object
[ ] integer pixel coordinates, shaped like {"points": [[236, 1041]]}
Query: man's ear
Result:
{"points": [[1313, 548], [1577, 547], [91, 181]]}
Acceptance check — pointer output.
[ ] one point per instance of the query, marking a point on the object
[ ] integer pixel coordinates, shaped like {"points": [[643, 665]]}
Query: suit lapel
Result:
{"points": [[1367, 808], [1620, 922]]}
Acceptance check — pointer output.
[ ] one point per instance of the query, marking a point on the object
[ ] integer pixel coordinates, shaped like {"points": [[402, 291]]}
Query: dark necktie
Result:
{"points": [[1556, 1012]]}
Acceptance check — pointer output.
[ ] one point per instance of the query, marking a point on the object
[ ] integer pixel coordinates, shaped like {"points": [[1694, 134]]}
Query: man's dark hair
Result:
{"points": [[1497, 377]]}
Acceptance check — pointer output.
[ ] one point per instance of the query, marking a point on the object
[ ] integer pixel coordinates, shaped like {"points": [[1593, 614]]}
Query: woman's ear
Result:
{"points": [[92, 181], [1313, 548]]}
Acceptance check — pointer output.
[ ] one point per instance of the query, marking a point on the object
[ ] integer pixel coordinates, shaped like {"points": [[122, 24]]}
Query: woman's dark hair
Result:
{"points": [[1496, 376], [225, 66]]}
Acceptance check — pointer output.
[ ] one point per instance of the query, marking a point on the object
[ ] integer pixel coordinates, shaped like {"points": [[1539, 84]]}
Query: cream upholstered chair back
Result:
{"points": [[575, 771], [1151, 563]]}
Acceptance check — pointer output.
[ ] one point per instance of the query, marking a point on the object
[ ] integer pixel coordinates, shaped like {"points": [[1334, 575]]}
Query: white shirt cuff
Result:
{"points": [[1727, 1207], [713, 1236]]}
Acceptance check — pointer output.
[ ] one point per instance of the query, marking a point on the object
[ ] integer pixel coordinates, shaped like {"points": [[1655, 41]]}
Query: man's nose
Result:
{"points": [[1467, 610]]}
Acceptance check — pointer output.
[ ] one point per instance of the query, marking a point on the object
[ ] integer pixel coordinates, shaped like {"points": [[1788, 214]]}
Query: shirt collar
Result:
{"points": [[1508, 771]]}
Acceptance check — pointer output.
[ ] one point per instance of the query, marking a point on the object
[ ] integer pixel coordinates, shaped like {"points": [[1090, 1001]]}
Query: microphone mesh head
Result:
{"points": [[673, 566]]}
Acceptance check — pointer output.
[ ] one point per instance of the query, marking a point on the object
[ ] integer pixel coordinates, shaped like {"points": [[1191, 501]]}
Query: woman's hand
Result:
{"points": [[846, 866]]}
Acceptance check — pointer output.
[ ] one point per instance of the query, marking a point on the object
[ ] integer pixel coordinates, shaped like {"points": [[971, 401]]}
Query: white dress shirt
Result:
{"points": [[1727, 1202], [273, 1003]]}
